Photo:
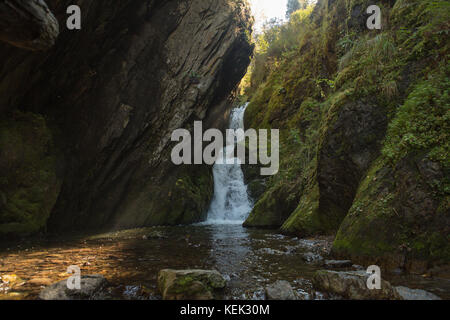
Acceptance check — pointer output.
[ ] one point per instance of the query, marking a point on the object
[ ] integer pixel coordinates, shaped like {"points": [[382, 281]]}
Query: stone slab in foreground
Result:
{"points": [[280, 290], [91, 288], [190, 284], [352, 285], [415, 294]]}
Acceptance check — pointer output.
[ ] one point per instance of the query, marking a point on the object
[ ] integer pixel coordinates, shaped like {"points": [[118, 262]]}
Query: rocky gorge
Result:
{"points": [[364, 123], [86, 125], [86, 176]]}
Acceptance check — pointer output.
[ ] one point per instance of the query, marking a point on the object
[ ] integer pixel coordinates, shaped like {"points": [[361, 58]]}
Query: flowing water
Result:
{"points": [[248, 258], [230, 204]]}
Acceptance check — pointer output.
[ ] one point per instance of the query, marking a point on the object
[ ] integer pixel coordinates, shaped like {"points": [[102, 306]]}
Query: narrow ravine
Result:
{"points": [[249, 259]]}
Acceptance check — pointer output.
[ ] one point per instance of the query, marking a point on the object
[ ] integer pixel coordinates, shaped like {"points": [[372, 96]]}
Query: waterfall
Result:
{"points": [[231, 203]]}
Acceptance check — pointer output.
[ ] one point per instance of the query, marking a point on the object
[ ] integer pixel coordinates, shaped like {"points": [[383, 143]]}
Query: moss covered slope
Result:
{"points": [[364, 116]]}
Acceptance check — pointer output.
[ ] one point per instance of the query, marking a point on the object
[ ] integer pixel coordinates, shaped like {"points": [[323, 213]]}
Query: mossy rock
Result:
{"points": [[182, 198], [273, 208], [190, 284], [29, 185], [401, 223], [352, 285]]}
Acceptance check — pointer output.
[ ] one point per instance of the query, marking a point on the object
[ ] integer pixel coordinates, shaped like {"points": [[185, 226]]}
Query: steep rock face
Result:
{"points": [[347, 149], [398, 224], [28, 24], [29, 183], [114, 91], [351, 141], [364, 120]]}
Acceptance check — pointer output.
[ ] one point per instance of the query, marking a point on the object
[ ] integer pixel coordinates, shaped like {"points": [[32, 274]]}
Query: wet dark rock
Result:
{"points": [[270, 251], [414, 212], [280, 290], [317, 246], [352, 285], [415, 294], [190, 284], [155, 235], [398, 271], [357, 267], [28, 24], [273, 207], [92, 288], [256, 188], [348, 148], [311, 257], [337, 264], [303, 295]]}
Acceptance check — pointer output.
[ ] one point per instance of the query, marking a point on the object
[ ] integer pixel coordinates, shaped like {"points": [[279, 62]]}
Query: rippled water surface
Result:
{"points": [[130, 260]]}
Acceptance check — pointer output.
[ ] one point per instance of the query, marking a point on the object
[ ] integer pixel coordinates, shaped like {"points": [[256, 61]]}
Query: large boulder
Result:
{"points": [[415, 294], [273, 207], [280, 290], [402, 224], [190, 284], [352, 285], [348, 146], [337, 264], [91, 288]]}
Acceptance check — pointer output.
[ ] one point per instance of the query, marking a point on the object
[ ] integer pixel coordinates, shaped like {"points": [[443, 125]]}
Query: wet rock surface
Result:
{"points": [[28, 24], [280, 290], [337, 264], [190, 284], [415, 294], [131, 264], [352, 285], [311, 257], [91, 288]]}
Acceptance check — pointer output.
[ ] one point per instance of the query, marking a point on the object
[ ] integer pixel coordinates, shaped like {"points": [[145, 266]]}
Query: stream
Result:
{"points": [[249, 259]]}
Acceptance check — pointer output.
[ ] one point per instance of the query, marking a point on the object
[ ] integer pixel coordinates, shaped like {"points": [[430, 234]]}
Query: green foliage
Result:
{"points": [[292, 6], [309, 69], [422, 123], [370, 67], [278, 42]]}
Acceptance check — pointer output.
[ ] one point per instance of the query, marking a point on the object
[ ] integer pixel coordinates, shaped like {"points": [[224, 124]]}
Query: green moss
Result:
{"points": [[30, 185], [273, 208], [182, 198], [300, 85], [304, 220], [380, 225], [423, 121]]}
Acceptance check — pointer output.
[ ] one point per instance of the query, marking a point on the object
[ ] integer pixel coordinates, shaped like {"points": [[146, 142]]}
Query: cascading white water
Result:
{"points": [[231, 203]]}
